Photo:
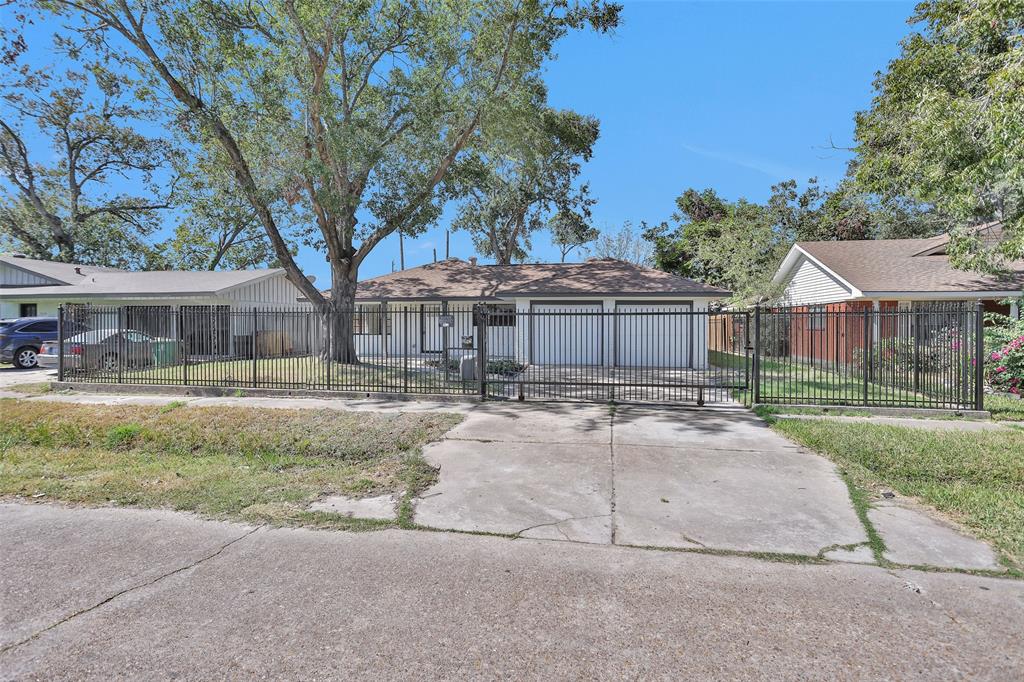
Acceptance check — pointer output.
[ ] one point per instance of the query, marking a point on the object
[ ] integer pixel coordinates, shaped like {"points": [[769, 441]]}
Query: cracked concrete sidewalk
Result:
{"points": [[113, 593]]}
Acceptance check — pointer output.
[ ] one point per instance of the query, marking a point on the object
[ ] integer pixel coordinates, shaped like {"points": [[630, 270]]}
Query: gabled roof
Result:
{"points": [[898, 266], [114, 283], [455, 279], [60, 273]]}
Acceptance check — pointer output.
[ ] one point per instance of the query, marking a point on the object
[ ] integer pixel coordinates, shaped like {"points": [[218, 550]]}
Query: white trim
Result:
{"points": [[940, 295], [793, 257]]}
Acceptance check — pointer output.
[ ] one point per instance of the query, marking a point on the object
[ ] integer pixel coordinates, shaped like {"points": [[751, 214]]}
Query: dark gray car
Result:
{"points": [[103, 349]]}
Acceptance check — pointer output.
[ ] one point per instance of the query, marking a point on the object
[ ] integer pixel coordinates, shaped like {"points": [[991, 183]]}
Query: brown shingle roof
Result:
{"points": [[457, 279], [894, 265]]}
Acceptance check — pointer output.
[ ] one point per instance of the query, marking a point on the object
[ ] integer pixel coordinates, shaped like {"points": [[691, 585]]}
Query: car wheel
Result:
{"points": [[109, 363], [25, 358]]}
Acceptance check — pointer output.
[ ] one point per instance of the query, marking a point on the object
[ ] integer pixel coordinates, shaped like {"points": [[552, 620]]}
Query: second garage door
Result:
{"points": [[566, 334], [653, 335]]}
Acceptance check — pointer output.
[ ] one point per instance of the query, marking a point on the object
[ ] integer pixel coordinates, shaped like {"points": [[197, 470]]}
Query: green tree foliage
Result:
{"points": [[340, 119], [218, 229], [60, 205], [523, 179], [946, 125], [738, 245], [571, 230]]}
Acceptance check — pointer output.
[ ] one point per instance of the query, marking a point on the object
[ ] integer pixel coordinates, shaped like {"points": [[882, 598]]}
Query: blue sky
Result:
{"points": [[730, 95]]}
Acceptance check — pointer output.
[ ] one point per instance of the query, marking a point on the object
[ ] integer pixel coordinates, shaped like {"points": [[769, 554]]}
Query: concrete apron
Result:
{"points": [[712, 478]]}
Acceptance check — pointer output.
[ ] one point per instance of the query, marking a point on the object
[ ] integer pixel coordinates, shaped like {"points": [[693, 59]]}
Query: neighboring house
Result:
{"points": [[879, 277], [30, 287], [556, 313], [890, 274]]}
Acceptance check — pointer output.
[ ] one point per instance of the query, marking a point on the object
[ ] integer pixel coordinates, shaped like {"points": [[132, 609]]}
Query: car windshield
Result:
{"points": [[4, 324]]}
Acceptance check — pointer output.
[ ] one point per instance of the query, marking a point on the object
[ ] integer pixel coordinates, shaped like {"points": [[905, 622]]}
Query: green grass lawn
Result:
{"points": [[1005, 409], [974, 477], [303, 372], [261, 465], [796, 382]]}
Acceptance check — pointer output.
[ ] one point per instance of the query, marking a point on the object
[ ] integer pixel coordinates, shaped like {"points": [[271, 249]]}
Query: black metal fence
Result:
{"points": [[648, 353], [927, 356], [658, 352]]}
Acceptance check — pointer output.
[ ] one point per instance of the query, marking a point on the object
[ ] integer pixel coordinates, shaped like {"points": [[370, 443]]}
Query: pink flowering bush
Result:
{"points": [[1004, 367]]}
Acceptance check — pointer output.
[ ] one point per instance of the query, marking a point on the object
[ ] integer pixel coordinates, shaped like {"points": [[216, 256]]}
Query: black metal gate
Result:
{"points": [[638, 352]]}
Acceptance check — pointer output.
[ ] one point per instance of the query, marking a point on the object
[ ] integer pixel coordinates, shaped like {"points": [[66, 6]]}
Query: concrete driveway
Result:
{"points": [[11, 376], [714, 478]]}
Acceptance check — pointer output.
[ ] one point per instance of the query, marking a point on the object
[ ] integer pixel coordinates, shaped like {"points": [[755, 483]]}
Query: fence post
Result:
{"points": [[184, 345], [405, 351], [328, 351], [480, 313], [757, 354], [866, 353], [979, 356], [60, 342], [121, 345], [255, 322]]}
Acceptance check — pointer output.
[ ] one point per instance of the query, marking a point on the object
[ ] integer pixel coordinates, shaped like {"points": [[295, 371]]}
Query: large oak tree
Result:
{"points": [[341, 119]]}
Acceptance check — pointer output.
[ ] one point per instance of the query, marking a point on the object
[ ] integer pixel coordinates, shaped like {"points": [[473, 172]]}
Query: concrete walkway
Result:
{"points": [[112, 594]]}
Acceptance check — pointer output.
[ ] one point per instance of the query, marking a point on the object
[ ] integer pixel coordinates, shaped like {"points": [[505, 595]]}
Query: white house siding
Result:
{"points": [[274, 291], [15, 277], [811, 285]]}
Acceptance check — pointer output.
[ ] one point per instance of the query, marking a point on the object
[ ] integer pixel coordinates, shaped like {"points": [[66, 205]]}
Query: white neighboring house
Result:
{"points": [[30, 287], [888, 274], [561, 304]]}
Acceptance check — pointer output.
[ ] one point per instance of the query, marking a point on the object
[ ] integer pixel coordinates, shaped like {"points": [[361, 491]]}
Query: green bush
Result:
{"points": [[505, 368]]}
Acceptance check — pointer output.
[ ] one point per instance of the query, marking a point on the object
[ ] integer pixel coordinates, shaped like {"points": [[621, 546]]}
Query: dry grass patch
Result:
{"points": [[229, 462]]}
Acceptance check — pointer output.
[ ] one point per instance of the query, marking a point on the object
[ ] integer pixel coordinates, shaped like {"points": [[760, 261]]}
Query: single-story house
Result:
{"points": [[883, 277], [211, 302], [891, 273], [555, 313]]}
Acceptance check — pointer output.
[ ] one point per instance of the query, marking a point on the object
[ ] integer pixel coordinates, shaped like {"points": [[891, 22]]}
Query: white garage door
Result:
{"points": [[658, 335], [566, 334]]}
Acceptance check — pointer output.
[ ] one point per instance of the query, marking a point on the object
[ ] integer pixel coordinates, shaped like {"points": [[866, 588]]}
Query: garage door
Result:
{"points": [[566, 334], [658, 335]]}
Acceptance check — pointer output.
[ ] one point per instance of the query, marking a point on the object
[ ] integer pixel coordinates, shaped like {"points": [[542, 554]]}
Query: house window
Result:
{"points": [[28, 310], [369, 319], [500, 316], [816, 319]]}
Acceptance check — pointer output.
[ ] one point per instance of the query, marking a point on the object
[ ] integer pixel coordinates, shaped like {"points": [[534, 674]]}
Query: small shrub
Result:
{"points": [[505, 367], [1004, 368]]}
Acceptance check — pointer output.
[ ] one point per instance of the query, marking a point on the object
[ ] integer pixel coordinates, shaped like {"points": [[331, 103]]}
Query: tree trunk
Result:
{"points": [[339, 313]]}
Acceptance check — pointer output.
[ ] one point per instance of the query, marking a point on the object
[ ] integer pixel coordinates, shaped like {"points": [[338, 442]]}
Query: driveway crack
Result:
{"points": [[611, 461], [560, 521], [126, 590]]}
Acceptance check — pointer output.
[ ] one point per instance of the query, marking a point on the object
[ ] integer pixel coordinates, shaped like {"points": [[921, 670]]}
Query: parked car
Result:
{"points": [[22, 337], [103, 349]]}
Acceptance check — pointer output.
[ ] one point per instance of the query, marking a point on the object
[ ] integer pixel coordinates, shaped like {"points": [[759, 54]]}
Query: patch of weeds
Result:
{"points": [[171, 406], [124, 436], [34, 388], [239, 393], [861, 500]]}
